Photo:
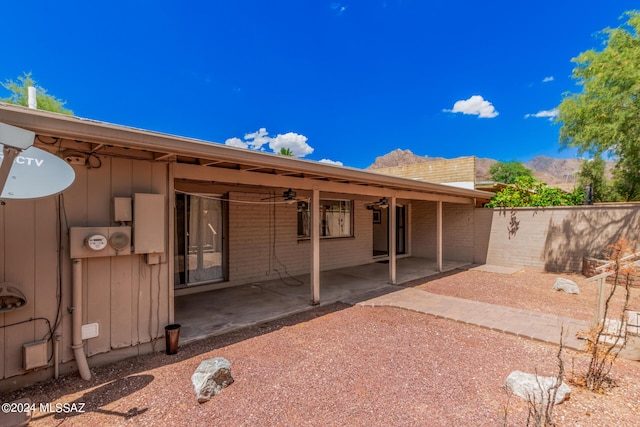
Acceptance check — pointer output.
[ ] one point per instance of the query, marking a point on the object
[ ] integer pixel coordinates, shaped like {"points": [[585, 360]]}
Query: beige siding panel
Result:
{"points": [[145, 312], [140, 292], [98, 269], [97, 294], [75, 214], [159, 182], [46, 260], [19, 269], [122, 313]]}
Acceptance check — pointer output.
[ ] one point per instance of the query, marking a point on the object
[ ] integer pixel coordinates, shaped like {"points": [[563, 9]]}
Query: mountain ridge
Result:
{"points": [[554, 171]]}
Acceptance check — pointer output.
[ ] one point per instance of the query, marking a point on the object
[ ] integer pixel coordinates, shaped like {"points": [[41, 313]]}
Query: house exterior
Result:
{"points": [[151, 216], [459, 172]]}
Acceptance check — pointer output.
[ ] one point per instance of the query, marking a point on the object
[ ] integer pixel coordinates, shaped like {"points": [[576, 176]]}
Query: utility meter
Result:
{"points": [[96, 242], [119, 241]]}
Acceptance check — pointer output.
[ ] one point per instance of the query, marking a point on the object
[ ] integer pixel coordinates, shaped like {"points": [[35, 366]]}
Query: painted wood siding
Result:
{"points": [[126, 297]]}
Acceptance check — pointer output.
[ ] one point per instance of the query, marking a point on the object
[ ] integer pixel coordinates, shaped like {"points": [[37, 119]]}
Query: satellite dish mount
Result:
{"points": [[13, 140]]}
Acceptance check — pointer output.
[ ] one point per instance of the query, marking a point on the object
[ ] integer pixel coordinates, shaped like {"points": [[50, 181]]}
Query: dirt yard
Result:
{"points": [[358, 366]]}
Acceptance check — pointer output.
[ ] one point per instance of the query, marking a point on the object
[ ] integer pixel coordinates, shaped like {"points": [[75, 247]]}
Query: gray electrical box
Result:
{"points": [[122, 209], [34, 355], [148, 223]]}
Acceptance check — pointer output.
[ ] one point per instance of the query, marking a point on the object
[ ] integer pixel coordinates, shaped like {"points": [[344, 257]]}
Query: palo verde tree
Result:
{"points": [[605, 117], [20, 95], [507, 172]]}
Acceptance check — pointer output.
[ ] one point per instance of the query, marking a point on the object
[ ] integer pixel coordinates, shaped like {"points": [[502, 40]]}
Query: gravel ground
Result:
{"points": [[357, 366]]}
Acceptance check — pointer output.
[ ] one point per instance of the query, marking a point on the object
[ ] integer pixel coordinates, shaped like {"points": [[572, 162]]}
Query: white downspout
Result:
{"points": [[77, 345]]}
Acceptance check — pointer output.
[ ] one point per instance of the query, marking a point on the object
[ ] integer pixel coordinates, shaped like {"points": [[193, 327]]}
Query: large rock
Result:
{"points": [[211, 377], [535, 388], [566, 285]]}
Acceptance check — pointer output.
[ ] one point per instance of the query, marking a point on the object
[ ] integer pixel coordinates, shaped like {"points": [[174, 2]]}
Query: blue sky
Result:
{"points": [[344, 81]]}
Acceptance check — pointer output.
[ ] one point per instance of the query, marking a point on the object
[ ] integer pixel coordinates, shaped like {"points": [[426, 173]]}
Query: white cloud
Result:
{"points": [[339, 8], [550, 114], [294, 141], [236, 142], [475, 105], [547, 79], [255, 141], [331, 162]]}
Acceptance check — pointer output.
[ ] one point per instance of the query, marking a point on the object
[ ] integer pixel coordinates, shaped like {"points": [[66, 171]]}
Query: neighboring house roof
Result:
{"points": [[491, 186], [460, 171], [105, 138]]}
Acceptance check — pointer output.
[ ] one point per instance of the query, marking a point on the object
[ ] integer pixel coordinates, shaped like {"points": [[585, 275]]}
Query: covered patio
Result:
{"points": [[219, 311]]}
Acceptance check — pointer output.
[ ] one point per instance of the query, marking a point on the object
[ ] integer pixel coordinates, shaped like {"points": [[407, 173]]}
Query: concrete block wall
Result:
{"points": [[553, 239], [457, 231], [263, 239], [423, 229]]}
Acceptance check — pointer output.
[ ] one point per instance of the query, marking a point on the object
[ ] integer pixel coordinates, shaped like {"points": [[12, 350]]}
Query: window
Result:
{"points": [[336, 219]]}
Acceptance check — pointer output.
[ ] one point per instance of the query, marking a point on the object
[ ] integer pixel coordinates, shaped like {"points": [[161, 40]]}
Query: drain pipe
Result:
{"points": [[77, 345]]}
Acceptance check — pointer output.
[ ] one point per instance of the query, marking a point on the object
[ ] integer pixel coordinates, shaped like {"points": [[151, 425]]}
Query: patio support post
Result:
{"points": [[392, 241], [439, 235], [315, 246]]}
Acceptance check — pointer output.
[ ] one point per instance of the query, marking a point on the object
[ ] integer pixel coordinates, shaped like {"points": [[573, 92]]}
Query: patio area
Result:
{"points": [[215, 312]]}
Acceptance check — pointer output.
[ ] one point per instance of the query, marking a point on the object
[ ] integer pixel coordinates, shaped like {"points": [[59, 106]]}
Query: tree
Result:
{"points": [[20, 95], [528, 192], [285, 151], [603, 118], [507, 172], [592, 173]]}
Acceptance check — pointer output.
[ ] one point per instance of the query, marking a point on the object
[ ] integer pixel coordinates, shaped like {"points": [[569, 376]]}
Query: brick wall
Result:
{"points": [[554, 239]]}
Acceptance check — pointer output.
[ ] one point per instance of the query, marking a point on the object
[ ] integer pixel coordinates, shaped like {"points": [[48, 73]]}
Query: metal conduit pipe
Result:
{"points": [[77, 345], [56, 355]]}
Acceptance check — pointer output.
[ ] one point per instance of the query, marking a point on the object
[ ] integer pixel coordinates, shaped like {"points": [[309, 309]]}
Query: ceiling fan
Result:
{"points": [[287, 196], [383, 203]]}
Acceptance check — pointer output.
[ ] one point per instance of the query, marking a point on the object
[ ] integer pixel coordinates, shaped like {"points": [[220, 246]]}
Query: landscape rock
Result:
{"points": [[211, 377], [566, 285], [535, 388]]}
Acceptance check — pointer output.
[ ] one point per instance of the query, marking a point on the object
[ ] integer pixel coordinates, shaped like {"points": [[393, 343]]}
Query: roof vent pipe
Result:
{"points": [[31, 98]]}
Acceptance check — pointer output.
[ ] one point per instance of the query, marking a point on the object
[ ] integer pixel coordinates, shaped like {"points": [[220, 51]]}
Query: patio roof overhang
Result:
{"points": [[207, 161]]}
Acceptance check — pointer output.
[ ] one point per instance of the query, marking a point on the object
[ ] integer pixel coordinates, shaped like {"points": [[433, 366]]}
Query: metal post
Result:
{"points": [[314, 210]]}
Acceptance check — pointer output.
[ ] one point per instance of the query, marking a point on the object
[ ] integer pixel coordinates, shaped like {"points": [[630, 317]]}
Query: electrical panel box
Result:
{"points": [[92, 242], [34, 355], [122, 209], [148, 223]]}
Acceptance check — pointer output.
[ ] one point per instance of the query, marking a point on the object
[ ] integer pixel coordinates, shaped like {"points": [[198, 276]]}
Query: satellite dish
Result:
{"points": [[36, 173]]}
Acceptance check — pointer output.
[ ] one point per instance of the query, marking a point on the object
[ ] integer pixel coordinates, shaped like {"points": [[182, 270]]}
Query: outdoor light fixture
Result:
{"points": [[383, 203]]}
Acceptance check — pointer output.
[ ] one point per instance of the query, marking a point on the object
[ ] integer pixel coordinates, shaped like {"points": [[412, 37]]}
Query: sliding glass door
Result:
{"points": [[199, 254]]}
